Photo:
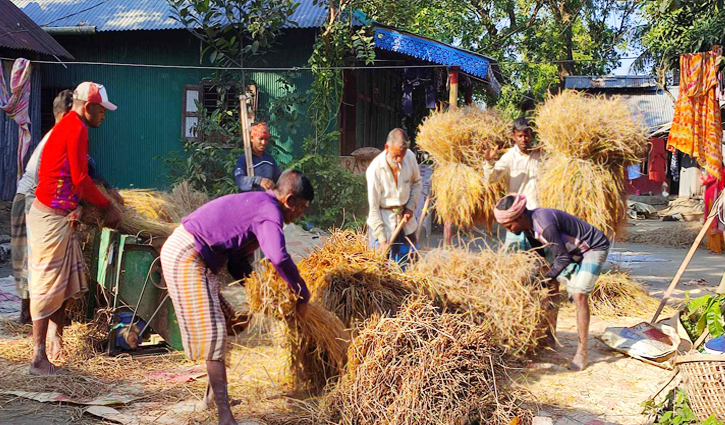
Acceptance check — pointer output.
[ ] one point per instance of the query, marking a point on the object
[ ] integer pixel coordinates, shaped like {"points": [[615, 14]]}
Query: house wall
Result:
{"points": [[130, 145]]}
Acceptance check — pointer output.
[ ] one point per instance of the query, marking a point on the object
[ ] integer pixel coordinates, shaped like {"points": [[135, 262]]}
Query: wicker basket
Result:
{"points": [[705, 376]]}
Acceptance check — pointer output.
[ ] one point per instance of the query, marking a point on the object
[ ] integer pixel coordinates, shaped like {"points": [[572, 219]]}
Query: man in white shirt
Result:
{"points": [[394, 186], [519, 170]]}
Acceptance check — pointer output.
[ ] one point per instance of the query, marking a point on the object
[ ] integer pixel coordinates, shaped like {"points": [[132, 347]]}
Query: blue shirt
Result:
{"points": [[264, 167]]}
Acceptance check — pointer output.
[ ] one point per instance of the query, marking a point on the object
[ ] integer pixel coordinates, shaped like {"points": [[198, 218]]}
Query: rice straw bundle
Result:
{"points": [[144, 201], [589, 142], [181, 201], [463, 196], [500, 288], [457, 139], [616, 293], [422, 367]]}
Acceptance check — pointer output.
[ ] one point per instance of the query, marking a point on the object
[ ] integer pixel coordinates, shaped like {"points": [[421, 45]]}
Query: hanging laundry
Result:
{"points": [[657, 169], [16, 104], [696, 126], [675, 166]]}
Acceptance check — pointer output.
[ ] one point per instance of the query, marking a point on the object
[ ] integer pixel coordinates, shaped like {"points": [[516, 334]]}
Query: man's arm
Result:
{"points": [[495, 171], [562, 258], [78, 159], [271, 241], [375, 219], [245, 183]]}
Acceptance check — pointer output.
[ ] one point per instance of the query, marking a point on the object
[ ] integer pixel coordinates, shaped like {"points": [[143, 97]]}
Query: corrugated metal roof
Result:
{"points": [[583, 82], [656, 108], [18, 31], [129, 15]]}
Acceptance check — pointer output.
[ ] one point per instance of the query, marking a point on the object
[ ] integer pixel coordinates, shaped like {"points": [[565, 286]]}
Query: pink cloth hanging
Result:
{"points": [[16, 105]]}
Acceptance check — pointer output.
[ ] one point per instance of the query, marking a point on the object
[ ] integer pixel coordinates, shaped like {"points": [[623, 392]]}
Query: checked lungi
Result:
{"points": [[19, 245], [55, 260], [194, 291]]}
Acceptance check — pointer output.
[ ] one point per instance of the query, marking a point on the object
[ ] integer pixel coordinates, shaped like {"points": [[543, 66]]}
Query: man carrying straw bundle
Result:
{"points": [[578, 249], [394, 186], [57, 272], [519, 170], [228, 230]]}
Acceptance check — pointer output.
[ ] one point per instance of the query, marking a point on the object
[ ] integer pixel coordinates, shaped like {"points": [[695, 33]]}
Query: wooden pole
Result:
{"points": [[423, 215], [246, 136], [691, 253], [395, 234], [453, 104]]}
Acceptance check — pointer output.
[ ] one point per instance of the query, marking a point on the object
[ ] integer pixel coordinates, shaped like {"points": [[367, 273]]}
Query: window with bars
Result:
{"points": [[208, 96]]}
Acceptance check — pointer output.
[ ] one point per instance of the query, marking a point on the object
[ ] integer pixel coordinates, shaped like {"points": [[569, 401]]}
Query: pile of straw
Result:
{"points": [[675, 234], [499, 288], [456, 140], [423, 367], [589, 142], [617, 294], [349, 282], [181, 201]]}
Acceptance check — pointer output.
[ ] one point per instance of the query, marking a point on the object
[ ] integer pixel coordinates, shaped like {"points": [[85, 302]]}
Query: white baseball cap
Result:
{"points": [[93, 93]]}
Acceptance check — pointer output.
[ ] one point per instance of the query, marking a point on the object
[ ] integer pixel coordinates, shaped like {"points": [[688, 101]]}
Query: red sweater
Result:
{"points": [[63, 178]]}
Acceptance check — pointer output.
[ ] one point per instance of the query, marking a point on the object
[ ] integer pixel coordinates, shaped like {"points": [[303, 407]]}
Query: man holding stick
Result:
{"points": [[394, 186], [579, 251]]}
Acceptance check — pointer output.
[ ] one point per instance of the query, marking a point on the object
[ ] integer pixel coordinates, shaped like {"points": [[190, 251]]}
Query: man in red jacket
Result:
{"points": [[55, 259]]}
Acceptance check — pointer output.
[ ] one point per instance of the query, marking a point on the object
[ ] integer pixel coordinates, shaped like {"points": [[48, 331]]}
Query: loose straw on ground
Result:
{"points": [[618, 294]]}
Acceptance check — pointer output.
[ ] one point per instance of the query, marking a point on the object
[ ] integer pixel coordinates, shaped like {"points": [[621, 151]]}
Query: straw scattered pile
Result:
{"points": [[676, 234], [422, 367], [617, 294], [349, 282], [499, 288], [589, 142], [456, 140]]}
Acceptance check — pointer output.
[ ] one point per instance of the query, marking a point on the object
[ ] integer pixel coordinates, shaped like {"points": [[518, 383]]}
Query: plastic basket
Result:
{"points": [[705, 375]]}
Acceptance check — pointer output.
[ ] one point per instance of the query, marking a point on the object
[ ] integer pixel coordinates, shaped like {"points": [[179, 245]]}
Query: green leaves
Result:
{"points": [[705, 312], [674, 410]]}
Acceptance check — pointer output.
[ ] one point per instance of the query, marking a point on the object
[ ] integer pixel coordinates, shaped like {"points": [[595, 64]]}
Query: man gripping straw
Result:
{"points": [[228, 230], [519, 170], [57, 272], [394, 186], [578, 249]]}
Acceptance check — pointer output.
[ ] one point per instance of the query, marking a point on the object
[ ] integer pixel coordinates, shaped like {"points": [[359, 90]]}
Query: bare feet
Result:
{"points": [[55, 348], [45, 368], [580, 361]]}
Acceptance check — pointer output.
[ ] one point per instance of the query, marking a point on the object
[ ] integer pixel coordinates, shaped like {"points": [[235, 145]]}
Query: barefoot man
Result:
{"points": [[227, 231], [578, 249], [55, 258]]}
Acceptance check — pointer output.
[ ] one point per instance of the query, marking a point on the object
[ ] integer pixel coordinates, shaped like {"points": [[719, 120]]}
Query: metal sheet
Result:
{"points": [[18, 31]]}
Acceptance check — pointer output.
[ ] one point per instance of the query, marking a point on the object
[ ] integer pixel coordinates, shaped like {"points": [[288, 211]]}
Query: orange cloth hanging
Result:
{"points": [[696, 126]]}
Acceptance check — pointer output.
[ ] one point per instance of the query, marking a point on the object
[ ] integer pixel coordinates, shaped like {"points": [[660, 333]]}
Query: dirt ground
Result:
{"points": [[609, 391]]}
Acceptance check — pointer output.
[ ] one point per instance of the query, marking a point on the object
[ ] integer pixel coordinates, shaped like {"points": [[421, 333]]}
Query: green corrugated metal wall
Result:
{"points": [[128, 147]]}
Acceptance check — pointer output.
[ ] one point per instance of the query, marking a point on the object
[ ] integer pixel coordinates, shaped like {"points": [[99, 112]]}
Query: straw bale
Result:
{"points": [[500, 288], [463, 196], [425, 367], [460, 135], [593, 192]]}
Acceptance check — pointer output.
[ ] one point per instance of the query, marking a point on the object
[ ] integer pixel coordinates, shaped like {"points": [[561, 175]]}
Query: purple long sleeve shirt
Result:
{"points": [[230, 228]]}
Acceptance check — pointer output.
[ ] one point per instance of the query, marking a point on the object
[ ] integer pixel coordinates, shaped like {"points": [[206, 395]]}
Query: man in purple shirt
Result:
{"points": [[579, 251], [227, 231]]}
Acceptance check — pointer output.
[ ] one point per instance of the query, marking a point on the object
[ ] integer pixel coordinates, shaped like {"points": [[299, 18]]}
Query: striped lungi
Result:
{"points": [[194, 291], [19, 245], [55, 260]]}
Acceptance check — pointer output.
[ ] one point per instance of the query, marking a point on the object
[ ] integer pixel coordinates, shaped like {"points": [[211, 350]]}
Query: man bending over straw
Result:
{"points": [[578, 249], [228, 230], [519, 170], [56, 268], [394, 186]]}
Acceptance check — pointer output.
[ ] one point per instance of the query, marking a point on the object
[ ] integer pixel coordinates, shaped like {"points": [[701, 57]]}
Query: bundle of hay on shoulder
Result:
{"points": [[456, 140], [424, 367], [589, 141], [346, 279], [502, 289]]}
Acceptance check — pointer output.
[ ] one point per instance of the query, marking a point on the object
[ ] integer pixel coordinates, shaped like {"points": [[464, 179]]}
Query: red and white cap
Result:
{"points": [[93, 93]]}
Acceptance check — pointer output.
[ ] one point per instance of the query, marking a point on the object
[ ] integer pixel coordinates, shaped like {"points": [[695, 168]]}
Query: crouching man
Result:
{"points": [[578, 249], [228, 230]]}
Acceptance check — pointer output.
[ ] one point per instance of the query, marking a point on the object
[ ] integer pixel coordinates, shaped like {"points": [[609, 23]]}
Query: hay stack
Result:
{"points": [[422, 367], [500, 288], [346, 279], [456, 140], [589, 143]]}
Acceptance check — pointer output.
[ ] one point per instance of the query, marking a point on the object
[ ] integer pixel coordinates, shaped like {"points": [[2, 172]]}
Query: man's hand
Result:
{"points": [[490, 154], [266, 184], [113, 193], [408, 214], [382, 246], [301, 309], [113, 217]]}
